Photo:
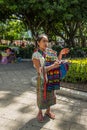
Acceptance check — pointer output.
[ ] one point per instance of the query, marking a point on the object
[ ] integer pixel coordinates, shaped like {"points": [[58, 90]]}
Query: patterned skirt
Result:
{"points": [[50, 96]]}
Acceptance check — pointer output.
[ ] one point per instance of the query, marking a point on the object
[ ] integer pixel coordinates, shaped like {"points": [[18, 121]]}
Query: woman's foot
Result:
{"points": [[40, 117], [50, 115]]}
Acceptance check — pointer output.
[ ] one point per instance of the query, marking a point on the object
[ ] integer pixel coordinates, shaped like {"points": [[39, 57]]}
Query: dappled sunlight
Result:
{"points": [[3, 94], [6, 98], [69, 115], [18, 106]]}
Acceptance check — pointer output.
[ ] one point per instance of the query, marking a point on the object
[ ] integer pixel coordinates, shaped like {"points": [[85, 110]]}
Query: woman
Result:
{"points": [[11, 55], [4, 59], [48, 98]]}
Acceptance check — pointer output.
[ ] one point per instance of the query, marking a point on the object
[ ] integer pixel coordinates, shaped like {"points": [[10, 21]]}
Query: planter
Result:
{"points": [[75, 86]]}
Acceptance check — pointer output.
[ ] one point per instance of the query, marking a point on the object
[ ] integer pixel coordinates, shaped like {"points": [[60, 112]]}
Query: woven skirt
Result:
{"points": [[50, 96]]}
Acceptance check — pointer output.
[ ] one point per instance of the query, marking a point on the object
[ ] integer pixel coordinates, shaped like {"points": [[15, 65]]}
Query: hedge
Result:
{"points": [[77, 71], [3, 47], [25, 52], [28, 50]]}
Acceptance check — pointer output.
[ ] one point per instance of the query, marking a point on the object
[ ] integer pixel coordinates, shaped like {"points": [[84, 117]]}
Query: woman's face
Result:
{"points": [[43, 43]]}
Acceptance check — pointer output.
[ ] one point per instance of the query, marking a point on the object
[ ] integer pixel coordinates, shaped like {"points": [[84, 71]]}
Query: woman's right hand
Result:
{"points": [[56, 64], [53, 66]]}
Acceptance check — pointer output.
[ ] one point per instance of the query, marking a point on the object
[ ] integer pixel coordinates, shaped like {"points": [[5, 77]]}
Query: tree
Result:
{"points": [[12, 29], [70, 16], [54, 17], [82, 34], [5, 11]]}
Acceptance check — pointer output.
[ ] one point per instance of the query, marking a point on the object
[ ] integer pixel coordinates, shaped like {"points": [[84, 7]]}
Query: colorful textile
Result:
{"points": [[53, 75], [50, 95], [4, 59], [63, 69], [45, 88]]}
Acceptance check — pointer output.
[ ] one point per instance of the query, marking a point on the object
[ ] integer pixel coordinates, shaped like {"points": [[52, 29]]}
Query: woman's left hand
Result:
{"points": [[64, 51]]}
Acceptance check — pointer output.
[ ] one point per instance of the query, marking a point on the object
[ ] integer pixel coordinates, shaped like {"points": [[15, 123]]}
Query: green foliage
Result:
{"points": [[12, 29], [75, 52], [78, 52], [26, 52], [3, 47], [54, 17], [56, 48], [77, 71]]}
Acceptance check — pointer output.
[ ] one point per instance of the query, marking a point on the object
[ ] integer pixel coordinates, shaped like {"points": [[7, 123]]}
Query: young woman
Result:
{"points": [[48, 98]]}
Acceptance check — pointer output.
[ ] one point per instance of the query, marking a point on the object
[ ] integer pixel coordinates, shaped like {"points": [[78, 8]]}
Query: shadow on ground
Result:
{"points": [[16, 88]]}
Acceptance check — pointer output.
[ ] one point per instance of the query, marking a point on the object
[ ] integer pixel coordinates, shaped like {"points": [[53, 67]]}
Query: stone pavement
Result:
{"points": [[18, 107]]}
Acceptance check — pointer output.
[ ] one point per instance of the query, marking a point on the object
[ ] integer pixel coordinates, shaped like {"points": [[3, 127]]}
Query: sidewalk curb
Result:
{"points": [[72, 93], [26, 59], [65, 91]]}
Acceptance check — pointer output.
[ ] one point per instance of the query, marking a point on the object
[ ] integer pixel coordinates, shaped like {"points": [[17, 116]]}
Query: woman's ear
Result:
{"points": [[37, 43]]}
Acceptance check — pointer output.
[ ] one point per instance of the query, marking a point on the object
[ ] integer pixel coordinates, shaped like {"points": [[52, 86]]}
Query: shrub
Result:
{"points": [[3, 47], [57, 48], [75, 52], [77, 71], [26, 52]]}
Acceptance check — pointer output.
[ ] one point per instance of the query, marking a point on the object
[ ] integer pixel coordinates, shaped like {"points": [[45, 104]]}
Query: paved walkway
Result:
{"points": [[18, 107]]}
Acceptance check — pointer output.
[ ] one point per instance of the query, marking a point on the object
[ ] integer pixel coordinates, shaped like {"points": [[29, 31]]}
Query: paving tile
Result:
{"points": [[29, 127], [83, 104], [83, 120], [77, 109], [18, 108], [84, 112], [78, 127], [63, 107], [72, 117], [3, 122], [60, 125]]}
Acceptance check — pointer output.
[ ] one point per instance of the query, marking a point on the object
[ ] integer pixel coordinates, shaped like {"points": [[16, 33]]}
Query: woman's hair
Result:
{"points": [[39, 38]]}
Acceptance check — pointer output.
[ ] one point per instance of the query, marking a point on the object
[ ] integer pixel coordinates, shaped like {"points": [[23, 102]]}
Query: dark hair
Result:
{"points": [[8, 48], [39, 38]]}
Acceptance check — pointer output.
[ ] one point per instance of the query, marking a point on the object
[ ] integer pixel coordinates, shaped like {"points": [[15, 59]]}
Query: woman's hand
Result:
{"points": [[56, 64], [64, 51]]}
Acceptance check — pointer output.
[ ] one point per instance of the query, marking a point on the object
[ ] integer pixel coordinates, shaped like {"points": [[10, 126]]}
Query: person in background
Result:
{"points": [[11, 55], [4, 59]]}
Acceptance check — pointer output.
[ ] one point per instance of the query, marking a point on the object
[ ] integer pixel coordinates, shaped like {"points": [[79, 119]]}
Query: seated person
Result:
{"points": [[4, 59], [11, 55]]}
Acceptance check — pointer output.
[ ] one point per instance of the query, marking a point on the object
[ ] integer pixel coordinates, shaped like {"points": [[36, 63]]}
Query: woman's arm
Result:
{"points": [[36, 64], [55, 65], [60, 56], [38, 67], [63, 52]]}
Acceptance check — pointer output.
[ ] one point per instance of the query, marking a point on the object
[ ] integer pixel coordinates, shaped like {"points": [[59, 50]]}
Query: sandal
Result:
{"points": [[40, 117], [50, 115]]}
